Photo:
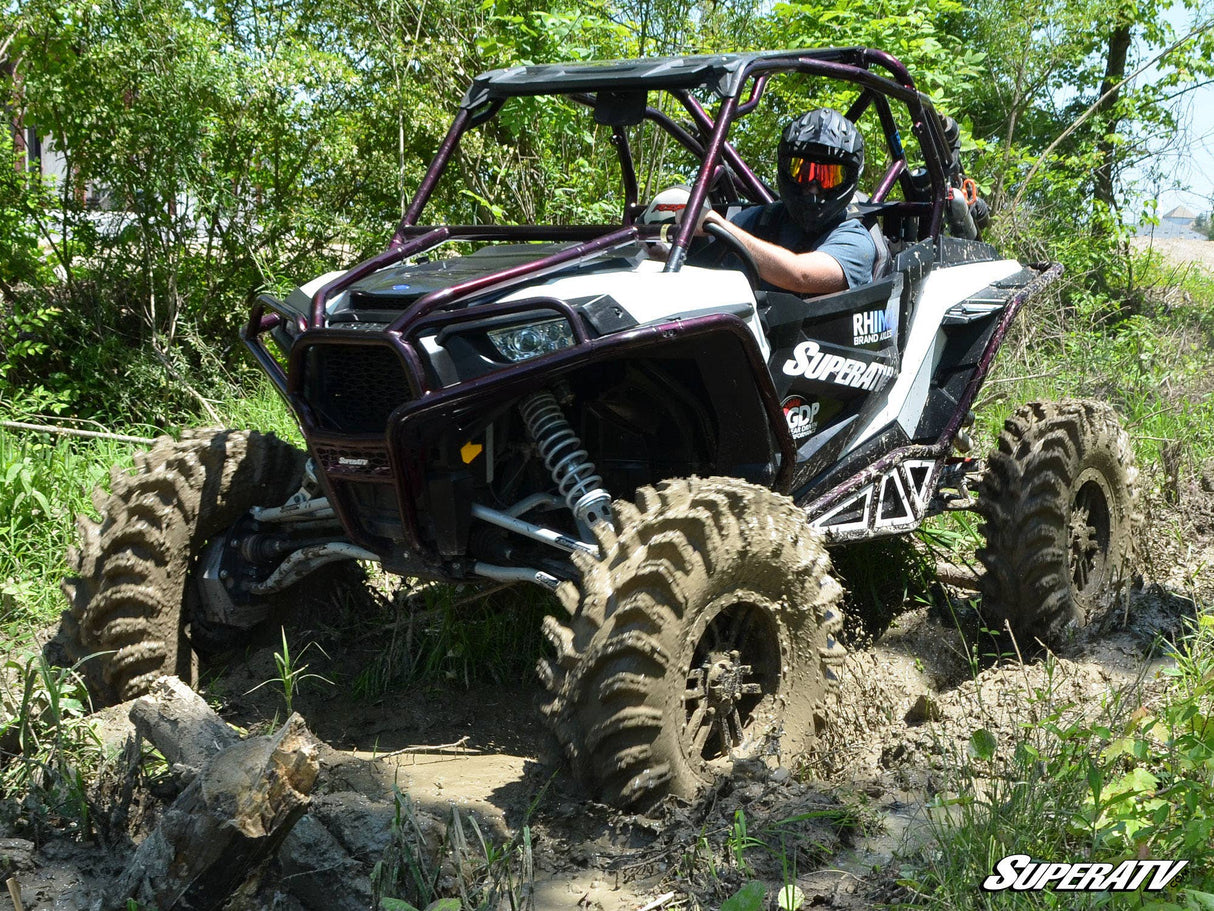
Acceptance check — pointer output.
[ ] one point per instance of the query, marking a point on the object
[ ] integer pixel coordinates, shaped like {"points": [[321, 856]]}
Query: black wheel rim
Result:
{"points": [[734, 668], [1089, 532]]}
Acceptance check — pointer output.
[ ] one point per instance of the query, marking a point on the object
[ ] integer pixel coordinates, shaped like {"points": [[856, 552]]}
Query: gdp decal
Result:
{"points": [[1021, 873], [802, 417], [809, 361]]}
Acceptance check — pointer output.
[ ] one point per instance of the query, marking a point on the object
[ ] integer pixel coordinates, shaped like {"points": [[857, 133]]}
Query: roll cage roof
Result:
{"points": [[617, 91], [720, 73]]}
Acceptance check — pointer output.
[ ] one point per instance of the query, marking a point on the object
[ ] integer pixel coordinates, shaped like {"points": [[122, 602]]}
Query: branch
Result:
{"points": [[1096, 105], [1187, 89], [73, 432]]}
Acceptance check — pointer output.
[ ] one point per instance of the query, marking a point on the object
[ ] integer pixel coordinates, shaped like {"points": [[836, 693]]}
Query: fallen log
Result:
{"points": [[233, 814], [180, 724], [964, 577]]}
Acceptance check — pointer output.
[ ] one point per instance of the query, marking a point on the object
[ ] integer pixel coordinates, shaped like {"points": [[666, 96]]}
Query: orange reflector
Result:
{"points": [[469, 451]]}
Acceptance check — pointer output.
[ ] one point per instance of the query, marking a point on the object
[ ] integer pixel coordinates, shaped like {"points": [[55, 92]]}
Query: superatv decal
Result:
{"points": [[809, 361], [870, 327], [802, 417]]}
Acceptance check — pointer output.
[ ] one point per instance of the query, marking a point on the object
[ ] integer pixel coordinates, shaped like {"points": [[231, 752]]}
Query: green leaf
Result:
{"points": [[395, 904], [982, 744], [749, 898], [790, 898], [1198, 901], [444, 904]]}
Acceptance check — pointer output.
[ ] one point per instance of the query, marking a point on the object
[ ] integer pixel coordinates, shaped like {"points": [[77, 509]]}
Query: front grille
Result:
{"points": [[354, 388]]}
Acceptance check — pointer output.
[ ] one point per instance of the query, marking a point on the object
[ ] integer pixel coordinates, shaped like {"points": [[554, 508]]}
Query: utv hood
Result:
{"points": [[396, 287]]}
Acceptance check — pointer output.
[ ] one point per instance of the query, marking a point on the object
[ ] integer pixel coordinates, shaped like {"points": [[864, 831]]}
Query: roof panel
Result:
{"points": [[717, 72]]}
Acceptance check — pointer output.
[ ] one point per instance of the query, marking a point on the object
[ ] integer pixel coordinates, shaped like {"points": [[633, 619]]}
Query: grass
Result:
{"points": [[1129, 778], [464, 869], [291, 674], [47, 480], [48, 749], [1156, 366], [444, 634], [46, 483]]}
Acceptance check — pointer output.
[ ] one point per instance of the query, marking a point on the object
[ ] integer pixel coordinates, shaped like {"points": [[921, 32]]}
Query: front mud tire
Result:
{"points": [[126, 624], [1059, 503], [706, 633]]}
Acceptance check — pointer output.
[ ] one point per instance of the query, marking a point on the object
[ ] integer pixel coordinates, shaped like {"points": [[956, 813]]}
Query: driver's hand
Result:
{"points": [[707, 216]]}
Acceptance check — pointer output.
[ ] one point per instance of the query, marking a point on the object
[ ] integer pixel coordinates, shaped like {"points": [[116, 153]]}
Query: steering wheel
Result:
{"points": [[739, 249]]}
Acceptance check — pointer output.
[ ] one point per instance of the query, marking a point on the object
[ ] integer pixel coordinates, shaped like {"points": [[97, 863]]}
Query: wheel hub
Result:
{"points": [[1088, 534], [734, 668], [726, 681]]}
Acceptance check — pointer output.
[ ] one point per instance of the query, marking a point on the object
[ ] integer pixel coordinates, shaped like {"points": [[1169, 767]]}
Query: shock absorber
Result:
{"points": [[563, 456]]}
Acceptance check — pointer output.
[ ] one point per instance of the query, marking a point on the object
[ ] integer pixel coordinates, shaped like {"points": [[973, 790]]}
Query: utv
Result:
{"points": [[615, 412]]}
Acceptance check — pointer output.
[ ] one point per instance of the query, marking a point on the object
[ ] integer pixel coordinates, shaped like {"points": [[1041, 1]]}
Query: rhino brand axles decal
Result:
{"points": [[809, 361], [870, 327], [1021, 873]]}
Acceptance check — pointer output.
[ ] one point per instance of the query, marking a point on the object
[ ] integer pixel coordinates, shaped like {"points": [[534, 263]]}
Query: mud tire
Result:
{"points": [[695, 562], [1058, 500], [125, 621]]}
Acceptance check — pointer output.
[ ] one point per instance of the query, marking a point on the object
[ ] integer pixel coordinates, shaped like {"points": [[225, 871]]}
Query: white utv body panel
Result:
{"points": [[650, 295], [943, 289]]}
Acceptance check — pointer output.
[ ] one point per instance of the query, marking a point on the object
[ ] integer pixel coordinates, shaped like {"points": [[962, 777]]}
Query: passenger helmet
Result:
{"points": [[666, 206], [821, 158]]}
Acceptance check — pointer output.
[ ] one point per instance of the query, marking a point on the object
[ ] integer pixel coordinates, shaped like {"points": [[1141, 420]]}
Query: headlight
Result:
{"points": [[518, 343]]}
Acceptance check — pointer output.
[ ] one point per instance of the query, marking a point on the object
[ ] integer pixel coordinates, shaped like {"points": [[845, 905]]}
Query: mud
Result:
{"points": [[429, 760], [469, 783]]}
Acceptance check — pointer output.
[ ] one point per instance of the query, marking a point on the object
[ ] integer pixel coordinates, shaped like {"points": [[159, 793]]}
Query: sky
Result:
{"points": [[1187, 167]]}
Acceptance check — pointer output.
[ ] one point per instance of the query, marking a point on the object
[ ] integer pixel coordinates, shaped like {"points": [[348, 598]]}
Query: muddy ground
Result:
{"points": [[405, 771]]}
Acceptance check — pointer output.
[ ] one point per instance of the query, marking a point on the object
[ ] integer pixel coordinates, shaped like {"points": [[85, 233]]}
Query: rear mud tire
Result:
{"points": [[1058, 500], [705, 634], [126, 625]]}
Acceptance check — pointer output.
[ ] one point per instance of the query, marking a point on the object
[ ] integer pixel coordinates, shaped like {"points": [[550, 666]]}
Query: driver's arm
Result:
{"points": [[800, 273]]}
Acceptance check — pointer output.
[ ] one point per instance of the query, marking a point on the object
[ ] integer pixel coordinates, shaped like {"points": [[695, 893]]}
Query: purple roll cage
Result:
{"points": [[729, 77]]}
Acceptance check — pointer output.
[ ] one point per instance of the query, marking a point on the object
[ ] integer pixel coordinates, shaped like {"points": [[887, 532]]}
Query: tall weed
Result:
{"points": [[47, 748], [1132, 780]]}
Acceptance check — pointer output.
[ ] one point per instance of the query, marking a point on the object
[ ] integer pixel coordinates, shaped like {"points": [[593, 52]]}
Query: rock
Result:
{"points": [[363, 826], [320, 873], [924, 709], [113, 726], [16, 855]]}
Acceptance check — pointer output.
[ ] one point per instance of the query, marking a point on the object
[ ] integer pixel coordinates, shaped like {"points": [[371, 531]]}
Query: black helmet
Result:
{"points": [[821, 158]]}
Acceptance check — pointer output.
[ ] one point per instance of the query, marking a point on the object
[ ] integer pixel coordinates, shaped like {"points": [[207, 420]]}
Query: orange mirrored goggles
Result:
{"points": [[804, 171]]}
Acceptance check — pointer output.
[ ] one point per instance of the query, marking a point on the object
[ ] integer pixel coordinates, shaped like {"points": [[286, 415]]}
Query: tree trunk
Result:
{"points": [[1106, 119], [231, 817]]}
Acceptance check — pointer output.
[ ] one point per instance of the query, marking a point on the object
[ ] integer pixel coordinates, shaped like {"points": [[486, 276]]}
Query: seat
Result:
{"points": [[885, 260]]}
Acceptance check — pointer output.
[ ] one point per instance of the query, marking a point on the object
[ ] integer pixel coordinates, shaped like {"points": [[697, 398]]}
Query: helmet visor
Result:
{"points": [[804, 172]]}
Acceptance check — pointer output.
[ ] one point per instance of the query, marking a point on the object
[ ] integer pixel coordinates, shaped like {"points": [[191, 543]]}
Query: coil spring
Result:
{"points": [[560, 448]]}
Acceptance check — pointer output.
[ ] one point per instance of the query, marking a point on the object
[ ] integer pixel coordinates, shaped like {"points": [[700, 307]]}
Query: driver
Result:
{"points": [[804, 243]]}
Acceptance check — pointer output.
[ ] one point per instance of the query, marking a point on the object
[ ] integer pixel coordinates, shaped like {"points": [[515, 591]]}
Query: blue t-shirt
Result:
{"points": [[848, 242]]}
